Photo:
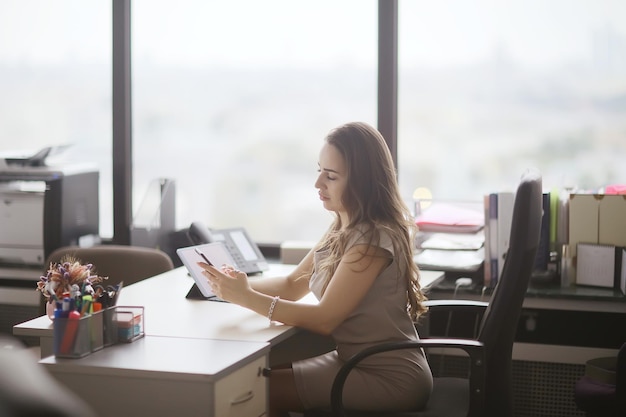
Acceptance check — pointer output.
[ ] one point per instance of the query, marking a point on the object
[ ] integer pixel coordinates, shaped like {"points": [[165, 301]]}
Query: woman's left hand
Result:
{"points": [[227, 282]]}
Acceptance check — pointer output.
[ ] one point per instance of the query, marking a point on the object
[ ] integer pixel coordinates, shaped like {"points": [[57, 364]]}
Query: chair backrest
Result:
{"points": [[117, 262], [499, 323]]}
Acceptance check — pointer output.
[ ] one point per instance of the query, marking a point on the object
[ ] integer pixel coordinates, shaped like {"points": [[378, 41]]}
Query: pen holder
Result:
{"points": [[109, 330], [78, 337], [123, 324], [96, 327]]}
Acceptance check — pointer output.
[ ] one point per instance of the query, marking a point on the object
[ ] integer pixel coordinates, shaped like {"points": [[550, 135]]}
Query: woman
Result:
{"points": [[362, 273]]}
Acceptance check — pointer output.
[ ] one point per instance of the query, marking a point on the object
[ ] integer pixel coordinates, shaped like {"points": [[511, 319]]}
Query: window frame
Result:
{"points": [[387, 103]]}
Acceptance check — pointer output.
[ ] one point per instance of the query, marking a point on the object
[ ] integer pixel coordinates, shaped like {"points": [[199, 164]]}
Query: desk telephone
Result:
{"points": [[246, 254]]}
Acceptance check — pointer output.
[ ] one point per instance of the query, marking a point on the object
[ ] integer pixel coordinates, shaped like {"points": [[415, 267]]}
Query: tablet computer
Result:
{"points": [[216, 253]]}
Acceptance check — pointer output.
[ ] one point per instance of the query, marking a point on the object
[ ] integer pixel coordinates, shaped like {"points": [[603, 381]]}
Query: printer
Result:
{"points": [[41, 209], [39, 215]]}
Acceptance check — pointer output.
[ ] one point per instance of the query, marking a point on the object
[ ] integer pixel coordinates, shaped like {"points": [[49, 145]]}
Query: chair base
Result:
{"points": [[439, 404]]}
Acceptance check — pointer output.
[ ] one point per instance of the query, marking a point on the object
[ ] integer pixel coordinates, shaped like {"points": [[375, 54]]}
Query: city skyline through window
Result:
{"points": [[232, 99]]}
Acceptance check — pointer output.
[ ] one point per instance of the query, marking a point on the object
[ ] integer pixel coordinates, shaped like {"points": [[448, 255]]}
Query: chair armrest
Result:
{"points": [[468, 306], [456, 313], [474, 349]]}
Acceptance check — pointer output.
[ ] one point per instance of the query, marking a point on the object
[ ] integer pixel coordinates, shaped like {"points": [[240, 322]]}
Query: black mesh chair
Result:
{"points": [[487, 391]]}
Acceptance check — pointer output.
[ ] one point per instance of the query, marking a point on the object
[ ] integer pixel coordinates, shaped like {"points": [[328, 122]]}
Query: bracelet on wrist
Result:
{"points": [[272, 306]]}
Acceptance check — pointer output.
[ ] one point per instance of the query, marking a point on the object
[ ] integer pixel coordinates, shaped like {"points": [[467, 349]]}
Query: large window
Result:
{"points": [[55, 84], [232, 101], [487, 88]]}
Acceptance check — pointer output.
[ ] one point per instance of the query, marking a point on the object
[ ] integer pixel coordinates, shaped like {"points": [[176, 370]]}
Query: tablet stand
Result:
{"points": [[195, 294]]}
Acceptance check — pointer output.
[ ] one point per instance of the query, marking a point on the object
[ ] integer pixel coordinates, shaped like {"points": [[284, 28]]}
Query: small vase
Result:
{"points": [[50, 307]]}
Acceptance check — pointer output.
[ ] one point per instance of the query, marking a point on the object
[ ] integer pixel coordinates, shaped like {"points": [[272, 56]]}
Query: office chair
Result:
{"points": [[129, 264], [604, 398], [28, 390], [487, 391]]}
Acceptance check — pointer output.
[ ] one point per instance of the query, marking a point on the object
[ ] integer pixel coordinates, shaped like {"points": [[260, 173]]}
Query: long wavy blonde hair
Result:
{"points": [[372, 199]]}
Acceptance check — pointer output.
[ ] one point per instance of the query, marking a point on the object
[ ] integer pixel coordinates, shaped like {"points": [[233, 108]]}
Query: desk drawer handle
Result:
{"points": [[246, 396]]}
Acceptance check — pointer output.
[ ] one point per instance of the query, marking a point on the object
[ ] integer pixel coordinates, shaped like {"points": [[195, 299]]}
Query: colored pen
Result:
{"points": [[203, 257], [87, 305], [66, 307], [71, 328]]}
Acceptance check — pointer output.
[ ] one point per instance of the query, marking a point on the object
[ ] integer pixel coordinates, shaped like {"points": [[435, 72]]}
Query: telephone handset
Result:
{"points": [[246, 254]]}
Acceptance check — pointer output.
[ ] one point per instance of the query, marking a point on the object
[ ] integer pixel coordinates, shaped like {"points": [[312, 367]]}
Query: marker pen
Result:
{"points": [[71, 329], [86, 305], [66, 307]]}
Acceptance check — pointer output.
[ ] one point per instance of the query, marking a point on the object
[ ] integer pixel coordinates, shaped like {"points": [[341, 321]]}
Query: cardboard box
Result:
{"points": [[598, 219], [612, 217]]}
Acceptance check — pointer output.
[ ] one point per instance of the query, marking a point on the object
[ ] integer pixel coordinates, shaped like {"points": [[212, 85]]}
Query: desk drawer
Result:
{"points": [[242, 393]]}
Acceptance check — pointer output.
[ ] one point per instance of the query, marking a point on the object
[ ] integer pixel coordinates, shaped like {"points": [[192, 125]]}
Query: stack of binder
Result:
{"points": [[451, 236], [498, 211]]}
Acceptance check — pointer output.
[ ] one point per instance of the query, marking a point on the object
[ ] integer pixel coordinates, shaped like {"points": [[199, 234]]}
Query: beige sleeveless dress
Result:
{"points": [[398, 380]]}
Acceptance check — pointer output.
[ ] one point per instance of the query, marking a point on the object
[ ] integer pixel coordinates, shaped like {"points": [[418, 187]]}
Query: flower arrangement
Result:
{"points": [[69, 276]]}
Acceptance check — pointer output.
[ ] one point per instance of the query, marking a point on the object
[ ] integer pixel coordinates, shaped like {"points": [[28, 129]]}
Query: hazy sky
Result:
{"points": [[326, 33]]}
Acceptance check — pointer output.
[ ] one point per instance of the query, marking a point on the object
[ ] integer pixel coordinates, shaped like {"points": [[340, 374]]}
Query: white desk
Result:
{"points": [[168, 313], [168, 376], [198, 357]]}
